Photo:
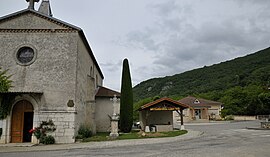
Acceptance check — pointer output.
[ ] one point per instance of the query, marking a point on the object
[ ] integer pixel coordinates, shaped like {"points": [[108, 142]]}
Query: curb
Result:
{"points": [[257, 128], [107, 144]]}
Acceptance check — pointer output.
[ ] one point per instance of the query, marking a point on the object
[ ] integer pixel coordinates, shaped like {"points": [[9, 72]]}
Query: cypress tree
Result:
{"points": [[126, 101]]}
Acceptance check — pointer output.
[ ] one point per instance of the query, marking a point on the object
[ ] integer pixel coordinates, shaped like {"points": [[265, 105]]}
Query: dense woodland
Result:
{"points": [[242, 85]]}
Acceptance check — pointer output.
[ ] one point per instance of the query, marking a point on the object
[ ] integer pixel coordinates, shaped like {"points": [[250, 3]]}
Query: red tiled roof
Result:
{"points": [[191, 101], [106, 92], [175, 103]]}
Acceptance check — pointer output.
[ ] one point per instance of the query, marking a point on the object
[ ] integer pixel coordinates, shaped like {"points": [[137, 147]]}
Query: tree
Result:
{"points": [[264, 99], [5, 83], [126, 101]]}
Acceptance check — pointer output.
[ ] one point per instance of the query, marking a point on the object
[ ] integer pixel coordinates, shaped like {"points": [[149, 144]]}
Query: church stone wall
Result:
{"points": [[64, 122], [85, 88], [63, 71], [29, 21], [53, 71]]}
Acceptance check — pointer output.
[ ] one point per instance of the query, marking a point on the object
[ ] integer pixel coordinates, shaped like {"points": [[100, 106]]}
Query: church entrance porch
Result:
{"points": [[22, 122]]}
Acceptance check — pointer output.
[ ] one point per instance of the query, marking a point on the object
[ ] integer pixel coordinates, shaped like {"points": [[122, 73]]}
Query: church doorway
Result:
{"points": [[22, 122]]}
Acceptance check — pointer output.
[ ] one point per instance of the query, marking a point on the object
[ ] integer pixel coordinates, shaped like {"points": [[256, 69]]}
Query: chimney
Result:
{"points": [[45, 8]]}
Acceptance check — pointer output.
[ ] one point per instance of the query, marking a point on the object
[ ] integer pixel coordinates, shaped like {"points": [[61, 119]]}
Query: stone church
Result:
{"points": [[55, 76]]}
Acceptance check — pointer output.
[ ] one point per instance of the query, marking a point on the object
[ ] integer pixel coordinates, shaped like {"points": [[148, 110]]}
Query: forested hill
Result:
{"points": [[253, 69]]}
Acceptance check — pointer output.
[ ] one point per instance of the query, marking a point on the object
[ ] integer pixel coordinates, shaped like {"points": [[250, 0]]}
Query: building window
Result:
{"points": [[25, 55], [196, 101]]}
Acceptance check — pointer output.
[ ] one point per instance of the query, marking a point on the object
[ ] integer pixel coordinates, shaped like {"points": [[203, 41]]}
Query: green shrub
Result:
{"points": [[44, 128], [229, 117], [84, 132], [47, 139], [41, 132], [79, 137]]}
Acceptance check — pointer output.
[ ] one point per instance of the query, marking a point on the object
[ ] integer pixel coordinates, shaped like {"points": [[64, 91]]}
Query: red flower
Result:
{"points": [[32, 130]]}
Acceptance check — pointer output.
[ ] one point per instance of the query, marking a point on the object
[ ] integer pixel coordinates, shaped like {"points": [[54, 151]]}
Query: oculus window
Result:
{"points": [[25, 55]]}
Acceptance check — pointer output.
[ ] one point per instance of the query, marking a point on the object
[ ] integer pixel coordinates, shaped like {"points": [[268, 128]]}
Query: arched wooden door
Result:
{"points": [[22, 122]]}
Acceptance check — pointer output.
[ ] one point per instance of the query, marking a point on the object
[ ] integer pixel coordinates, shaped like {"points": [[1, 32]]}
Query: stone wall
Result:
{"points": [[53, 71], [85, 88], [177, 117], [235, 117], [29, 21], [160, 117], [64, 122], [155, 117]]}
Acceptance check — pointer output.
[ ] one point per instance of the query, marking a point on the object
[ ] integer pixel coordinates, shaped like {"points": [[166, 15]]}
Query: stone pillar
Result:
{"points": [[3, 138], [115, 118], [114, 126], [182, 120]]}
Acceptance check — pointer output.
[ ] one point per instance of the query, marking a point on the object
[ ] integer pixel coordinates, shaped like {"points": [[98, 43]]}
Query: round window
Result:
{"points": [[25, 55]]}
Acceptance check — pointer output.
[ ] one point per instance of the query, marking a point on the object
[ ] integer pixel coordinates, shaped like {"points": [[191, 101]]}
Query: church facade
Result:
{"points": [[54, 72]]}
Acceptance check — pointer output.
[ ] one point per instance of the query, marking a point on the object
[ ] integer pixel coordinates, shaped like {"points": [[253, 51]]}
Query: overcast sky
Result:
{"points": [[162, 37]]}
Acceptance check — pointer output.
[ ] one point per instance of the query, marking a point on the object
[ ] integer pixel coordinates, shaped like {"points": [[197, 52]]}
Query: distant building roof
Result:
{"points": [[164, 100], [198, 102], [106, 92]]}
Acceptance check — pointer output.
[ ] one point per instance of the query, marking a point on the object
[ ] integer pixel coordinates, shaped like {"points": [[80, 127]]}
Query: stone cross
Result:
{"points": [[114, 99], [114, 119], [32, 4]]}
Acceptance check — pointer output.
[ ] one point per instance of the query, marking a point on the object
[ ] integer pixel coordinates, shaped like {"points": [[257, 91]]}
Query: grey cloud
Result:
{"points": [[213, 42], [141, 40], [111, 66], [229, 34], [165, 8]]}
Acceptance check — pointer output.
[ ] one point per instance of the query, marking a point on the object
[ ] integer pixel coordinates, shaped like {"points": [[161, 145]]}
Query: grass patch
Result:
{"points": [[104, 136], [100, 136]]}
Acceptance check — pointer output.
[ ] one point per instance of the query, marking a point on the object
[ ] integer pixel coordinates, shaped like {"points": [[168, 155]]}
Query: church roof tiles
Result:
{"points": [[105, 92]]}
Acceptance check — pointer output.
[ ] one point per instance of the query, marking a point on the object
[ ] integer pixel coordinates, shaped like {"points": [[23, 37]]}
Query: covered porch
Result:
{"points": [[157, 116], [200, 112]]}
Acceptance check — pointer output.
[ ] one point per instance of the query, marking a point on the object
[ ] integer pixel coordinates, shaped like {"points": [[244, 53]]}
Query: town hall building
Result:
{"points": [[54, 72]]}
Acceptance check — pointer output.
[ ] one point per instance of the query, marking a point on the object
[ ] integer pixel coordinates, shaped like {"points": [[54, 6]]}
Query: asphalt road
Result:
{"points": [[230, 140]]}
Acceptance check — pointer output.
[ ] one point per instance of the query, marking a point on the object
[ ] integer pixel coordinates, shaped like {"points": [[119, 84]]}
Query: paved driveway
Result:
{"points": [[230, 139]]}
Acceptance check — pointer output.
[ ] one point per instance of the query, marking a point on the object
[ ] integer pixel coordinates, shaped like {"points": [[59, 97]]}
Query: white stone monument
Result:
{"points": [[115, 118]]}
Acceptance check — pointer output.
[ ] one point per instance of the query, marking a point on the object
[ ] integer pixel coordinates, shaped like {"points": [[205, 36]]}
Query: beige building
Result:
{"points": [[107, 101], [54, 72], [200, 109]]}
